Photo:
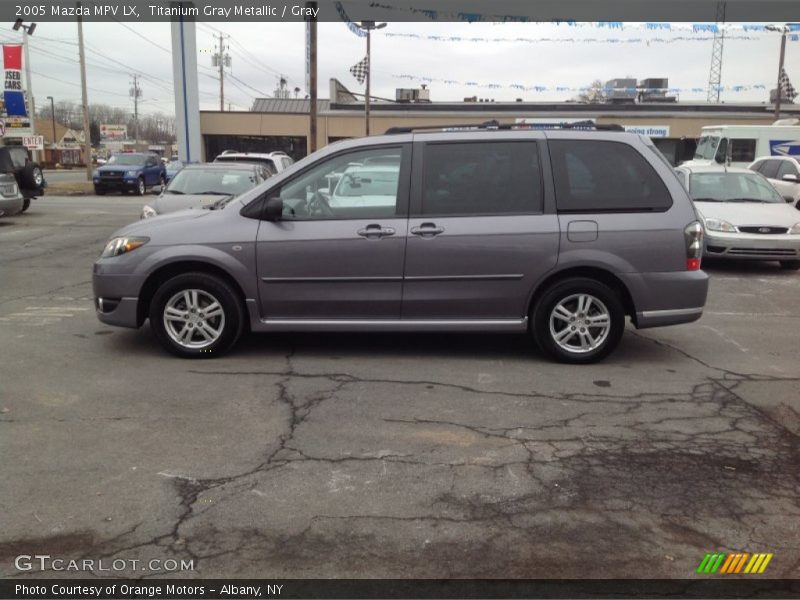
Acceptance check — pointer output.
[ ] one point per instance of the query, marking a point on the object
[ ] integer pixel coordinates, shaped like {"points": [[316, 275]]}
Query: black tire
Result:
{"points": [[231, 326], [562, 291], [26, 204], [32, 177], [99, 190], [141, 188], [790, 265]]}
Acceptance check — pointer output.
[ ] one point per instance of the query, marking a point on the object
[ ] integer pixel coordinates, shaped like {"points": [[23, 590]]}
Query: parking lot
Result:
{"points": [[342, 455]]}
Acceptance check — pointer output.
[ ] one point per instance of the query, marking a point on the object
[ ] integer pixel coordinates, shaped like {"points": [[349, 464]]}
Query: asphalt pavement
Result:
{"points": [[387, 455]]}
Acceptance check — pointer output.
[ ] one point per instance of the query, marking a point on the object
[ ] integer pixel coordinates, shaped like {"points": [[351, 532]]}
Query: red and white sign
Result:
{"points": [[33, 142]]}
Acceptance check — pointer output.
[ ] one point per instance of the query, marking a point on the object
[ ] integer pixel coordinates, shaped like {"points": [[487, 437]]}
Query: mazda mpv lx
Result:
{"points": [[560, 233]]}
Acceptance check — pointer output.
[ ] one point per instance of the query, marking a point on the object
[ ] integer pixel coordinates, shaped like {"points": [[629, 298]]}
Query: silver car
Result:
{"points": [[560, 234], [744, 215], [11, 200]]}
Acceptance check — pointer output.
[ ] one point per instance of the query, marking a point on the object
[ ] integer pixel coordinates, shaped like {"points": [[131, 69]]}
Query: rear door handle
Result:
{"points": [[375, 232], [427, 230]]}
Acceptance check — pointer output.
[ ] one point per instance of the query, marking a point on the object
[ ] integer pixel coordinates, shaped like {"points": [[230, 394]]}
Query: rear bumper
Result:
{"points": [[11, 206], [669, 298], [752, 246]]}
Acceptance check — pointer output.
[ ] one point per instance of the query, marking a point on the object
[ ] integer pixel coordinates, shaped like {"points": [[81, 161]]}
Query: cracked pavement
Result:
{"points": [[387, 455]]}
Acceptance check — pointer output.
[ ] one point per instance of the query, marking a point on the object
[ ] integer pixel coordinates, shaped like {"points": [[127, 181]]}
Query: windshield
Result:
{"points": [[212, 181], [732, 187], [706, 147], [136, 160]]}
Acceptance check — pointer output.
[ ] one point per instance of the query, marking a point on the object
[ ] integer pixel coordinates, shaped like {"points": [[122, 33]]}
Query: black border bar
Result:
{"points": [[157, 589]]}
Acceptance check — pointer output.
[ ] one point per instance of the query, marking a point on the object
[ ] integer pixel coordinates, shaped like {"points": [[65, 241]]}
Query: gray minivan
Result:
{"points": [[560, 233]]}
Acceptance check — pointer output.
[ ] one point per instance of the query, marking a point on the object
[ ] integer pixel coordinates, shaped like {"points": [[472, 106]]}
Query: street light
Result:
{"points": [[26, 31], [368, 26]]}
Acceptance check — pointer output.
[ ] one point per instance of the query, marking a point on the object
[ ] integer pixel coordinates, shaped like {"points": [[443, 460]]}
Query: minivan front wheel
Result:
{"points": [[196, 315], [578, 320]]}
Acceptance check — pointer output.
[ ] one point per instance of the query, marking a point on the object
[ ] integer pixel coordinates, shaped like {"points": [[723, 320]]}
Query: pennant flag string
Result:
{"points": [[539, 40]]}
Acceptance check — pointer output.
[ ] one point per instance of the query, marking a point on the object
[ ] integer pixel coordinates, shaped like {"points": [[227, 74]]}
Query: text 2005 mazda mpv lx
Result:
{"points": [[561, 233]]}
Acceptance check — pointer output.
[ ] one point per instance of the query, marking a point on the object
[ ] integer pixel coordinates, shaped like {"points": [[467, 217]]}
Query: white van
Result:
{"points": [[747, 142]]}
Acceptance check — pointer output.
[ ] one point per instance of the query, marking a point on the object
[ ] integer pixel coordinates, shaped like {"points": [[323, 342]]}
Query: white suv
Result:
{"points": [[783, 173], [279, 161]]}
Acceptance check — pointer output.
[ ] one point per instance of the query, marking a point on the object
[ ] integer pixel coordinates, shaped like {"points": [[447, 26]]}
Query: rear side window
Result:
{"points": [[597, 176], [770, 168], [492, 178], [19, 156]]}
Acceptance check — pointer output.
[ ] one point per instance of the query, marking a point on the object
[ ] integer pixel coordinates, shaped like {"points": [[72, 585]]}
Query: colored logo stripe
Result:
{"points": [[734, 563]]}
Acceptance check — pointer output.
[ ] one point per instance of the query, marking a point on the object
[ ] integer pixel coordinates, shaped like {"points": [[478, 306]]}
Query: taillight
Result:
{"points": [[693, 234]]}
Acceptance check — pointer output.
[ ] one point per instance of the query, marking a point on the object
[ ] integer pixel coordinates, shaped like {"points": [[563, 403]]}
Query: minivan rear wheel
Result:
{"points": [[196, 315], [578, 320]]}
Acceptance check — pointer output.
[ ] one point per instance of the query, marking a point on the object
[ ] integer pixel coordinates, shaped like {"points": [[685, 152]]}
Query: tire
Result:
{"points": [[26, 204], [568, 294], [175, 297], [99, 190], [32, 176], [790, 265], [141, 188]]}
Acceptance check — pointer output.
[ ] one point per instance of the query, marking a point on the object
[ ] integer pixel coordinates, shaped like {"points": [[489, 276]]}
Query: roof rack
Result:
{"points": [[494, 125]]}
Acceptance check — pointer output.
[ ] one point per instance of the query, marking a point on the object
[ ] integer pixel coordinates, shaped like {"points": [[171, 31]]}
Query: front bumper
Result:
{"points": [[116, 297], [752, 246], [125, 183]]}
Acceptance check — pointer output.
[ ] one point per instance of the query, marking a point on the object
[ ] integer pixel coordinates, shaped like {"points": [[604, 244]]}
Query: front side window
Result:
{"points": [[743, 150], [787, 168], [356, 185], [770, 168], [597, 176], [492, 178], [706, 147]]}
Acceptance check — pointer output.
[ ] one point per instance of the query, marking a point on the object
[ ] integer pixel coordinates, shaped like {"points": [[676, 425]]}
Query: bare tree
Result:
{"points": [[594, 95]]}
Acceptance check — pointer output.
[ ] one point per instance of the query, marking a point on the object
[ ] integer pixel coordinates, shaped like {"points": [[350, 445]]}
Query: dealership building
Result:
{"points": [[283, 123]]}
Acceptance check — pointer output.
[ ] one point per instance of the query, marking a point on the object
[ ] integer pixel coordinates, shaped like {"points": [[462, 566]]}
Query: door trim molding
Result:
{"points": [[329, 279], [367, 325]]}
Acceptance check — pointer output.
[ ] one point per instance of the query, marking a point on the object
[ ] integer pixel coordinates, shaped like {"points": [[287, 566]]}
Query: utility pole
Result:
{"points": [[715, 74], [311, 41], [53, 119], [135, 92], [221, 59], [368, 26], [87, 135]]}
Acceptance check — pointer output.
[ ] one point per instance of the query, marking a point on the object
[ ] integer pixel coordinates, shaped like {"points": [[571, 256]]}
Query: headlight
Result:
{"points": [[130, 173], [148, 211], [121, 245], [720, 225], [795, 229]]}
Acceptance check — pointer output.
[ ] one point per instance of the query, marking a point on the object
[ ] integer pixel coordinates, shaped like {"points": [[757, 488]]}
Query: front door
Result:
{"points": [[478, 236], [338, 251]]}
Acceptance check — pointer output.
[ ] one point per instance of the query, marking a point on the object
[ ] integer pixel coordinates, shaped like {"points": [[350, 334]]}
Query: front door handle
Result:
{"points": [[427, 230], [375, 232]]}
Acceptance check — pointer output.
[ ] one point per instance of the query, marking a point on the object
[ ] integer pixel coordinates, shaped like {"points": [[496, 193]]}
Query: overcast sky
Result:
{"points": [[262, 51]]}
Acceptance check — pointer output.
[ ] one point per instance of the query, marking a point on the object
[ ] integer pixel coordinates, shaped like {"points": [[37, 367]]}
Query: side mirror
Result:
{"points": [[790, 177], [273, 209]]}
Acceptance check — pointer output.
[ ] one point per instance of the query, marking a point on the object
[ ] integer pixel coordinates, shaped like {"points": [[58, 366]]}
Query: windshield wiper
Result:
{"points": [[173, 192], [219, 203], [707, 200], [748, 200], [213, 193]]}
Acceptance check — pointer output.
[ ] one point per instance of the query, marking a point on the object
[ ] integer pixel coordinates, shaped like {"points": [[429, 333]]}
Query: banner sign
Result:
{"points": [[113, 132], [13, 95], [652, 131]]}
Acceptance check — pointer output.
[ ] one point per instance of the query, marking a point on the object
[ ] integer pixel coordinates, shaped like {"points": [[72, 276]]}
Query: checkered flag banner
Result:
{"points": [[360, 70], [787, 89]]}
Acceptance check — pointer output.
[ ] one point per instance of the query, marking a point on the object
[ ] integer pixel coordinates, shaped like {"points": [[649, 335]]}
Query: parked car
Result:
{"points": [[206, 185], [172, 168], [744, 216], [129, 172], [279, 161], [783, 172], [16, 164], [743, 143], [557, 233]]}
